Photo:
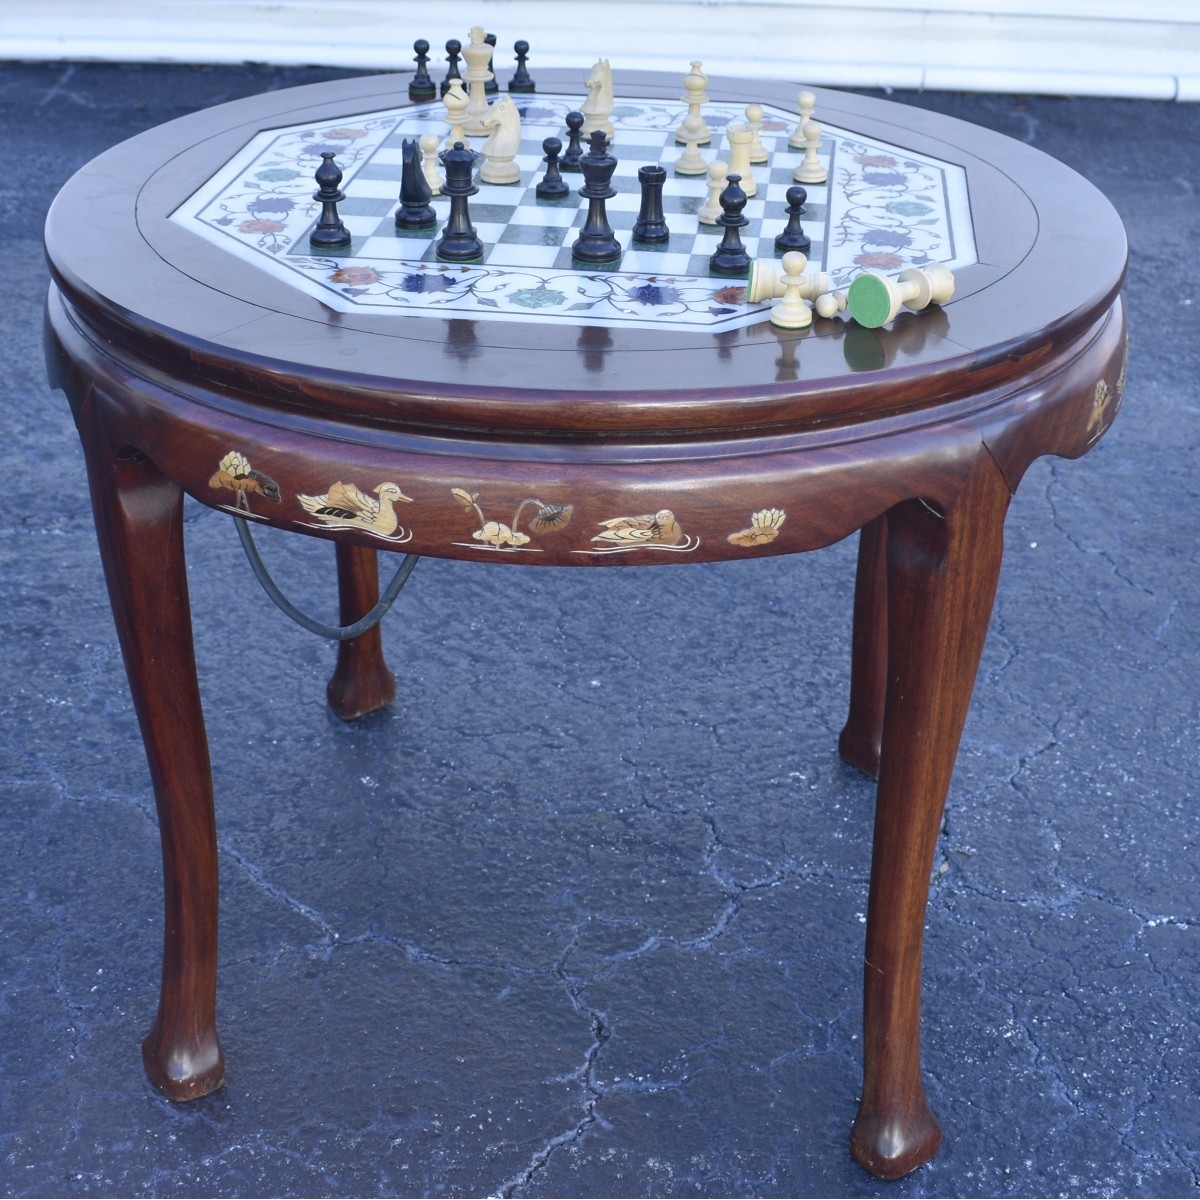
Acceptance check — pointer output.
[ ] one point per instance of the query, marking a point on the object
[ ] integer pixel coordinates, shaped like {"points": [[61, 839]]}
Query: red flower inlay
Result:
{"points": [[342, 132], [875, 160], [355, 276], [730, 295], [261, 226], [879, 262]]}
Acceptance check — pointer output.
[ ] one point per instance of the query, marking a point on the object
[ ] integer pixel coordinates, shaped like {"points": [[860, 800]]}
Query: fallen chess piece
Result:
{"points": [[830, 304], [790, 284], [874, 299]]}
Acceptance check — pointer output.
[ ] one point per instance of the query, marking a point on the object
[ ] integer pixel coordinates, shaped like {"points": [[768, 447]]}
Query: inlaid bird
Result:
{"points": [[345, 506], [235, 473], [651, 529]]}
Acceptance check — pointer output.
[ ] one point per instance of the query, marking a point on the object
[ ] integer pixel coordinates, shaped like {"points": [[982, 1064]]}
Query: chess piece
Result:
{"points": [[596, 242], [415, 211], [329, 231], [453, 49], [503, 123], [694, 96], [455, 102], [429, 151], [793, 236], [830, 304], [651, 224], [691, 161], [459, 241], [730, 257], [598, 107], [521, 82], [478, 54], [574, 150], [740, 139], [754, 119], [811, 170], [790, 283], [552, 186], [874, 299], [805, 102], [491, 87], [710, 210], [421, 87]]}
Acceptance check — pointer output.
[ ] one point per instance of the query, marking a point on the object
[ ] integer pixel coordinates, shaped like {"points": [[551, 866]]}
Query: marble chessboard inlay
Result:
{"points": [[882, 208]]}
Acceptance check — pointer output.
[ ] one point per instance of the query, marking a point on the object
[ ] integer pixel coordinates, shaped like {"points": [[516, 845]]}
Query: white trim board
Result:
{"points": [[1081, 47]]}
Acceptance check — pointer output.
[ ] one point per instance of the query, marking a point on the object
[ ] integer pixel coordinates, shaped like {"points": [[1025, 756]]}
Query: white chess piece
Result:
{"points": [[711, 209], [503, 123], [691, 161], [811, 170], [477, 54], [694, 96], [429, 162], [598, 107], [740, 138], [792, 285], [805, 102], [754, 118], [830, 304], [874, 299], [455, 103]]}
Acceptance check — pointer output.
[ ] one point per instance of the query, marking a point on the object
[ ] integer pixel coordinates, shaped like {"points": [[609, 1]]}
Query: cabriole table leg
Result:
{"points": [[942, 571], [361, 681], [139, 524]]}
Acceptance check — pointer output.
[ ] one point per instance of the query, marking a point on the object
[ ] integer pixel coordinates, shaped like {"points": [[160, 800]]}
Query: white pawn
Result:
{"points": [[806, 102], [796, 289], [874, 299], [830, 304], [429, 162], [694, 95], [691, 161], [740, 138], [811, 170], [455, 103], [711, 209], [754, 118], [478, 54]]}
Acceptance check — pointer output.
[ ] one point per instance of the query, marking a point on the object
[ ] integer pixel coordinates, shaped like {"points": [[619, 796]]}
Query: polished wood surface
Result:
{"points": [[173, 356]]}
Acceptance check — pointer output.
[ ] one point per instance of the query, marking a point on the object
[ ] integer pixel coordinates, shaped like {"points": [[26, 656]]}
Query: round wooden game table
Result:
{"points": [[682, 446]]}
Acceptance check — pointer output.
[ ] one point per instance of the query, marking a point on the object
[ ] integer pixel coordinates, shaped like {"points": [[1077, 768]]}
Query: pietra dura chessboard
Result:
{"points": [[882, 208]]}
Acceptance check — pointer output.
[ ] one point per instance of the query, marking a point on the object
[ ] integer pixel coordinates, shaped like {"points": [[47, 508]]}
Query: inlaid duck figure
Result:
{"points": [[652, 529], [345, 506]]}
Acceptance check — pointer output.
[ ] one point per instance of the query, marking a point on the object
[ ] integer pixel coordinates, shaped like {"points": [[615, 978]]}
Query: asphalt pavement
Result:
{"points": [[582, 913]]}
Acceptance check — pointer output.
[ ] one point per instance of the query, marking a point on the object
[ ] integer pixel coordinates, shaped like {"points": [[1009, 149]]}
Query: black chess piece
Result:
{"points": [[596, 242], [793, 236], [421, 87], [459, 241], [453, 50], [552, 186], [730, 257], [491, 87], [521, 82], [651, 225], [574, 151], [415, 211], [329, 230]]}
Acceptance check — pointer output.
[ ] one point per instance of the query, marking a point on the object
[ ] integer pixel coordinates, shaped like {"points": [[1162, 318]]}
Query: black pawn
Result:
{"points": [[421, 87], [329, 230], [574, 150], [552, 186], [596, 242], [415, 211], [521, 82], [459, 241], [651, 225], [731, 257], [793, 237], [453, 49], [491, 87]]}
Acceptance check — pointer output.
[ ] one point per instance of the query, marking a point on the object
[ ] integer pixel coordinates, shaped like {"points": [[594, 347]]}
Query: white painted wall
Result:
{"points": [[1148, 48]]}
